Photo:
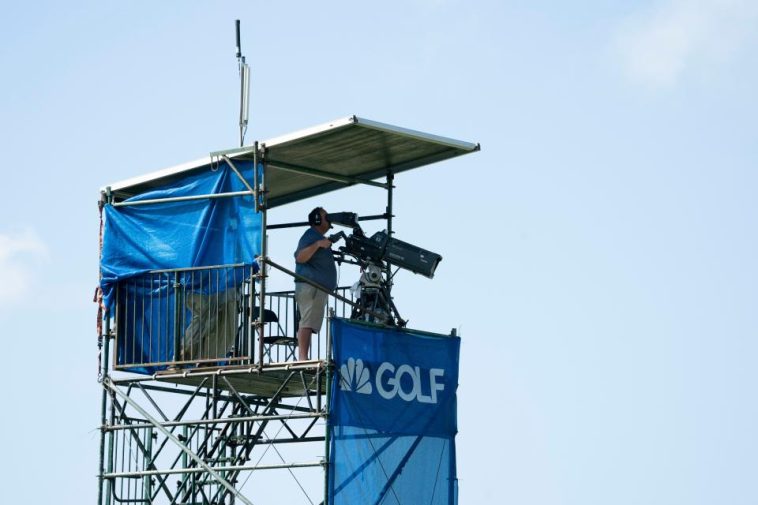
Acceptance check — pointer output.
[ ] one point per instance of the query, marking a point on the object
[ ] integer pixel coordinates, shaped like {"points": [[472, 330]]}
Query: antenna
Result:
{"points": [[244, 72]]}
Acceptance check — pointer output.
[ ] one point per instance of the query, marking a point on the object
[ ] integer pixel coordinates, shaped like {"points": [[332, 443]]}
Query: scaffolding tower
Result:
{"points": [[202, 393]]}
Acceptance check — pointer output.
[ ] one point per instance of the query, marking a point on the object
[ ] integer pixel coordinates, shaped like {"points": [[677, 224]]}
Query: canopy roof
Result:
{"points": [[323, 158]]}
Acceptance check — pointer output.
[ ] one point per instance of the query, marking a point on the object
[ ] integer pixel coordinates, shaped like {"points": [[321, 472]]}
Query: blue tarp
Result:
{"points": [[393, 416], [160, 311], [185, 234]]}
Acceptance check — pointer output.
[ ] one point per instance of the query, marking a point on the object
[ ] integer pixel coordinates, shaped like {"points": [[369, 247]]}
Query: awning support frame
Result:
{"points": [[324, 175]]}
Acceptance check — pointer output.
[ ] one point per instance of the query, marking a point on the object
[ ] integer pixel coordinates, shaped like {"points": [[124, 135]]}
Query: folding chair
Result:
{"points": [[277, 345]]}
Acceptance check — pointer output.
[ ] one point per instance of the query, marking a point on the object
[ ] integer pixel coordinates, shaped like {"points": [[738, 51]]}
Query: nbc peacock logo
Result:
{"points": [[354, 376]]}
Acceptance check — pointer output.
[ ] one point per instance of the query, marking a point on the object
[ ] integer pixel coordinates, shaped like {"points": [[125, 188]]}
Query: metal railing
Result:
{"points": [[207, 316]]}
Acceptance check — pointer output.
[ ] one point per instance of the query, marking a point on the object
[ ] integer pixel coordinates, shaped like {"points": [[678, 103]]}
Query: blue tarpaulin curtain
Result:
{"points": [[176, 235], [393, 416], [193, 233]]}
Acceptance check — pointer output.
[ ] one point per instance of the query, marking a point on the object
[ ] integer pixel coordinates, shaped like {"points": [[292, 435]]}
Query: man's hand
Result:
{"points": [[324, 243]]}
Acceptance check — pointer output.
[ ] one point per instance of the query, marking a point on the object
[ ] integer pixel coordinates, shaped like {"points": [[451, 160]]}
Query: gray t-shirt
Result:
{"points": [[321, 267]]}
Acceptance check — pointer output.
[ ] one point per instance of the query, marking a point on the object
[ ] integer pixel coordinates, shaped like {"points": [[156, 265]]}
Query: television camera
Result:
{"points": [[373, 255]]}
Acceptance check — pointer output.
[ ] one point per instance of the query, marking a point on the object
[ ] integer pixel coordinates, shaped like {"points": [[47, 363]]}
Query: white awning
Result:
{"points": [[323, 158]]}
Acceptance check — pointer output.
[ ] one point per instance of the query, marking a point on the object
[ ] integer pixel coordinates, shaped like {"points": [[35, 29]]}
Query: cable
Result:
{"points": [[270, 445], [376, 453], [290, 471], [339, 273], [439, 466]]}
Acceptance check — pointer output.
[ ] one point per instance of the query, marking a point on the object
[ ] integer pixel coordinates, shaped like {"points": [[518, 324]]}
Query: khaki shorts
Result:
{"points": [[312, 304]]}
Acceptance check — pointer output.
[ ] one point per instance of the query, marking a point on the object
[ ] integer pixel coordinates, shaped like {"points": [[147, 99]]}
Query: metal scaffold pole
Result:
{"points": [[388, 272], [327, 406], [168, 434], [261, 207], [103, 410]]}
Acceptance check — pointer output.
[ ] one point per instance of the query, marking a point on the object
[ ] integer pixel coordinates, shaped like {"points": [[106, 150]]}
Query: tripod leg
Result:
{"points": [[392, 309]]}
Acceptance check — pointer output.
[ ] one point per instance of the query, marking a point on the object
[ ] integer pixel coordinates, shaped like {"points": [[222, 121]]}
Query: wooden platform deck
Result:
{"points": [[294, 379]]}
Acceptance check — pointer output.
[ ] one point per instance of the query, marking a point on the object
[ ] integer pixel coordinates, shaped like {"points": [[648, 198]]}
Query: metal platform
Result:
{"points": [[286, 380]]}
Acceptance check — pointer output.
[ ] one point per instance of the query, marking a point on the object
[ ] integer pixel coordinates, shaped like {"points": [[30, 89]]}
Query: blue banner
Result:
{"points": [[393, 415]]}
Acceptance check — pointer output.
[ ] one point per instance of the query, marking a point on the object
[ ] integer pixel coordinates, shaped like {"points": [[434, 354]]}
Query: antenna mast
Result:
{"points": [[244, 73]]}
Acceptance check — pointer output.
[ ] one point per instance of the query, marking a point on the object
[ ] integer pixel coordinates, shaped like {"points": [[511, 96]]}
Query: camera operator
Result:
{"points": [[314, 261]]}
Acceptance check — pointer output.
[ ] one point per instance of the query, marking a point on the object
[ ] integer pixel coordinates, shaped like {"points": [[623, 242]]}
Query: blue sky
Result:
{"points": [[599, 252]]}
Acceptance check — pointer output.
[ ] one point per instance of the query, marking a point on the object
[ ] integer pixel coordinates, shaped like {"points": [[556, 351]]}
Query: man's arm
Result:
{"points": [[305, 254]]}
